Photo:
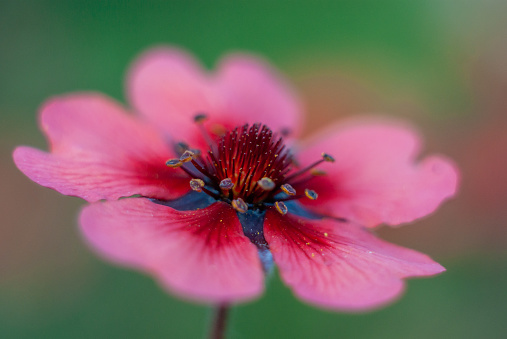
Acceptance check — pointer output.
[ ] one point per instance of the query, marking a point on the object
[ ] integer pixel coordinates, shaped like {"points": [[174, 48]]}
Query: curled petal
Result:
{"points": [[99, 152], [170, 88], [340, 266], [376, 178], [202, 255]]}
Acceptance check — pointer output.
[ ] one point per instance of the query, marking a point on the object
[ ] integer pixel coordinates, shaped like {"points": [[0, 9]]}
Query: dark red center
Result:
{"points": [[247, 167], [246, 155]]}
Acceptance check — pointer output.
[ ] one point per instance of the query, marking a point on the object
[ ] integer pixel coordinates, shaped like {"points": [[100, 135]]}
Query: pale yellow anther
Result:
{"points": [[181, 147], [199, 118], [281, 207], [266, 184], [187, 156], [287, 188], [197, 185], [317, 172], [240, 205], [311, 194], [327, 157], [173, 163], [226, 184], [218, 129]]}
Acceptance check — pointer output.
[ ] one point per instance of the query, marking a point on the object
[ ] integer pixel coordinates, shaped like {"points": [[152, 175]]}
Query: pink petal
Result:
{"points": [[170, 88], [202, 255], [376, 178], [99, 152], [339, 265], [256, 93]]}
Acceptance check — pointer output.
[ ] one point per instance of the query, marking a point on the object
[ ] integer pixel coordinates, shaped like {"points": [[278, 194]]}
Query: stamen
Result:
{"points": [[213, 194], [199, 118], [285, 132], [311, 194], [317, 172], [266, 184], [295, 162], [187, 156], [244, 167], [218, 129], [180, 147], [201, 168], [287, 188], [240, 205], [226, 184], [173, 163], [281, 207], [292, 197], [197, 185], [327, 157]]}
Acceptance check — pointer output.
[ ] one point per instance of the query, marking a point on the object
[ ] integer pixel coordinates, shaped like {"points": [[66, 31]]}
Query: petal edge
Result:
{"points": [[341, 266], [376, 178]]}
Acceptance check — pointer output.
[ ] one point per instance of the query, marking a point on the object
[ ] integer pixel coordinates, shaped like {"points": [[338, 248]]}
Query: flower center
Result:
{"points": [[248, 167], [253, 160]]}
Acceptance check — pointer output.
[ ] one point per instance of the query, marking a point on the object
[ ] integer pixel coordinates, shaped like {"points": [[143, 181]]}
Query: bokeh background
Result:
{"points": [[441, 64]]}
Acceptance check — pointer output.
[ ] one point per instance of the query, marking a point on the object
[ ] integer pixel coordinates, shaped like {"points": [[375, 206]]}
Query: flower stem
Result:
{"points": [[219, 322]]}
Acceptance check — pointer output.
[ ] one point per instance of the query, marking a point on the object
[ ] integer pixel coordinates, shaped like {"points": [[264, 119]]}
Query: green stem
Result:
{"points": [[219, 322]]}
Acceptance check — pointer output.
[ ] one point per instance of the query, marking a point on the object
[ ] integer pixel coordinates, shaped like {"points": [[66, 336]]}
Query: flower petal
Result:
{"points": [[202, 255], [338, 265], [170, 88], [375, 178], [99, 152], [254, 92]]}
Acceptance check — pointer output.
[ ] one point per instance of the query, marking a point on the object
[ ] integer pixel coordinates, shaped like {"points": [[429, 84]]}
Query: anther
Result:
{"points": [[187, 156], [218, 129], [226, 184], [173, 163], [281, 207], [199, 118], [180, 147], [266, 184], [287, 188], [240, 205], [327, 157], [196, 185], [317, 172], [285, 132], [311, 194]]}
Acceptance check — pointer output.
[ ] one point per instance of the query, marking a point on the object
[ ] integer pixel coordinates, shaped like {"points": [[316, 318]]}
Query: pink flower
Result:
{"points": [[234, 196]]}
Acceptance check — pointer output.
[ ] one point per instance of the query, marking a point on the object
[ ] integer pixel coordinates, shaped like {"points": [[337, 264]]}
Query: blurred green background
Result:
{"points": [[441, 64]]}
